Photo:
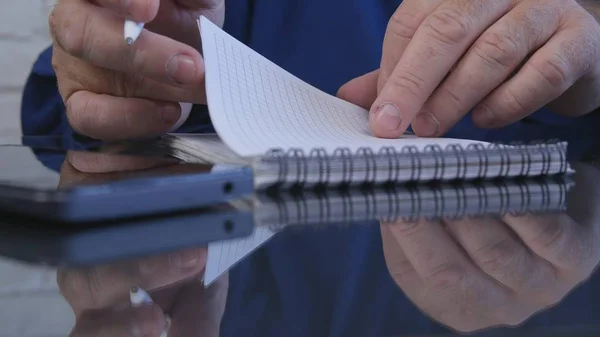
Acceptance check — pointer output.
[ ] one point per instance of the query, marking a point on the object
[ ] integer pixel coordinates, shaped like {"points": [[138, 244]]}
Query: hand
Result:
{"points": [[505, 59], [472, 274], [117, 91], [99, 297]]}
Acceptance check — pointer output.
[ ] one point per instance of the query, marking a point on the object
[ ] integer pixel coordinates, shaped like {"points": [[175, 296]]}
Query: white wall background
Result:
{"points": [[29, 300]]}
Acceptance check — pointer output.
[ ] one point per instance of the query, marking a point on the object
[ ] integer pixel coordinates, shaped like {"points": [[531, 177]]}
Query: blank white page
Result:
{"points": [[256, 105]]}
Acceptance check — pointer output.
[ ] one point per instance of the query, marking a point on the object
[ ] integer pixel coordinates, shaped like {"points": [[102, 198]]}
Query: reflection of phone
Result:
{"points": [[29, 241], [28, 188]]}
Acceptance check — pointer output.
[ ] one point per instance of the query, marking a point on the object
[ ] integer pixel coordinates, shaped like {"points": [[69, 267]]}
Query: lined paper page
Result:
{"points": [[222, 256], [255, 105], [203, 147]]}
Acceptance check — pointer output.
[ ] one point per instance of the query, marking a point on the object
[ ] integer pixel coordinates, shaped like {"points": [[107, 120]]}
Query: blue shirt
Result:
{"points": [[327, 283]]}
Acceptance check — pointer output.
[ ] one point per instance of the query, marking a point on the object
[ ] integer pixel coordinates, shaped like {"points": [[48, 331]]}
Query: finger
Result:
{"points": [[399, 266], [361, 91], [111, 118], [439, 262], [573, 250], [543, 78], [137, 10], [146, 320], [400, 30], [85, 32], [488, 63], [454, 290], [74, 74], [500, 253], [436, 46], [107, 285]]}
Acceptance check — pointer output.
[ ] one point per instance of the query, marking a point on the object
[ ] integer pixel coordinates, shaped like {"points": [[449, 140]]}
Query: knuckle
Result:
{"points": [[399, 269], [497, 257], [554, 70], [512, 104], [84, 115], [136, 86], [448, 276], [404, 23], [551, 237], [448, 25], [72, 42], [409, 83], [70, 30], [498, 50], [452, 98], [406, 229]]}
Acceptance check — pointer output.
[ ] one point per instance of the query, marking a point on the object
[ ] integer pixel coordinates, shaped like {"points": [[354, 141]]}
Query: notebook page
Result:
{"points": [[203, 147], [255, 105], [222, 256]]}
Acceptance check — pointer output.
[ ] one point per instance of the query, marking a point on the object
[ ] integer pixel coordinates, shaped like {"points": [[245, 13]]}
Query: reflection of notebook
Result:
{"points": [[257, 107], [275, 212], [224, 255]]}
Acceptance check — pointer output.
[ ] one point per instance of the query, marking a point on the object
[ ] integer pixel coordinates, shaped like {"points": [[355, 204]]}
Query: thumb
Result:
{"points": [[361, 90]]}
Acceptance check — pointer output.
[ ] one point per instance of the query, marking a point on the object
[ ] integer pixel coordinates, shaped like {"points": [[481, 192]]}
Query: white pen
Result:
{"points": [[132, 31], [137, 297]]}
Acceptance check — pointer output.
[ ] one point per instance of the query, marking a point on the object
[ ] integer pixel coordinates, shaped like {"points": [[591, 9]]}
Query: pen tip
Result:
{"points": [[129, 41]]}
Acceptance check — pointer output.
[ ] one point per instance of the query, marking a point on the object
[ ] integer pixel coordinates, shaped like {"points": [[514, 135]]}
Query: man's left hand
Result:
{"points": [[503, 59]]}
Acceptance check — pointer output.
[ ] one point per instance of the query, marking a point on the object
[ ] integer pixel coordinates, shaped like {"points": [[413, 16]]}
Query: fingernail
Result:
{"points": [[426, 124], [181, 69], [483, 116], [170, 113], [186, 259], [388, 117]]}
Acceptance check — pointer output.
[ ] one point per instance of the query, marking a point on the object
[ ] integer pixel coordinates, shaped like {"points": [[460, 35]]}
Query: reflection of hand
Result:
{"points": [[81, 168], [99, 297], [479, 273]]}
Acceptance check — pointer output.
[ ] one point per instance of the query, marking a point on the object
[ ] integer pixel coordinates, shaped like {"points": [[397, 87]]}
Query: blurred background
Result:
{"points": [[23, 35]]}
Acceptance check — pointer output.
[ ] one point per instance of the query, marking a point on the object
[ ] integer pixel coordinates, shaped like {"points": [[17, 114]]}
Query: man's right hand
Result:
{"points": [[117, 91]]}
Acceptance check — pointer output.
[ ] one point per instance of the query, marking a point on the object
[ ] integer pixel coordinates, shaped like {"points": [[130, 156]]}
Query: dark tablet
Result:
{"points": [[51, 243]]}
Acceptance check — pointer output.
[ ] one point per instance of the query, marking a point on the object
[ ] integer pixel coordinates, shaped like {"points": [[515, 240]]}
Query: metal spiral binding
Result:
{"points": [[408, 164], [431, 202]]}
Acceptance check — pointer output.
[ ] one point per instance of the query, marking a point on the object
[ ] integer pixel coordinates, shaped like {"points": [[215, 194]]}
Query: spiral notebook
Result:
{"points": [[293, 133], [305, 208]]}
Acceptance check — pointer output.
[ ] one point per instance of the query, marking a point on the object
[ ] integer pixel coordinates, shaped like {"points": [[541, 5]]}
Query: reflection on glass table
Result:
{"points": [[503, 258]]}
